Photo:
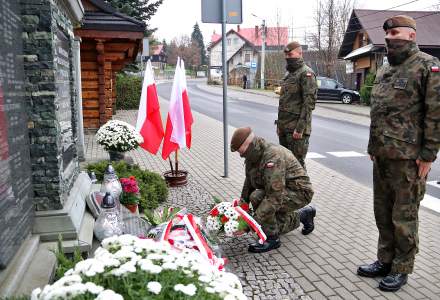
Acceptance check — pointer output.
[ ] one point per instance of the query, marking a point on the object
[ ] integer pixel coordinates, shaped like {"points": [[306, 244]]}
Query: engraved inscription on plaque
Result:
{"points": [[16, 208], [64, 97]]}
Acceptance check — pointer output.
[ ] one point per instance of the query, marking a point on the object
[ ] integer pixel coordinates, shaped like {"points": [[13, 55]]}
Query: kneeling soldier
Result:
{"points": [[276, 185]]}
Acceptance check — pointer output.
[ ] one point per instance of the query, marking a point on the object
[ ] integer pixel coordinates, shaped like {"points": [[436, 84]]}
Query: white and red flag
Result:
{"points": [[149, 120], [179, 121]]}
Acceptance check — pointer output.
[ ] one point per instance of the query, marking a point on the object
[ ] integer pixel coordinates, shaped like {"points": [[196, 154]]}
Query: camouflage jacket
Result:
{"points": [[297, 100], [274, 169], [405, 109]]}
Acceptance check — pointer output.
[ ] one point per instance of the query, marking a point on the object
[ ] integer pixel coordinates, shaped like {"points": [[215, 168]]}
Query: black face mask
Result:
{"points": [[399, 50], [293, 64]]}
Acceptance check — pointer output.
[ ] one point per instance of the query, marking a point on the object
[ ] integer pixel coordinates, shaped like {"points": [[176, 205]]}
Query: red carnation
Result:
{"points": [[224, 219], [245, 206], [214, 212]]}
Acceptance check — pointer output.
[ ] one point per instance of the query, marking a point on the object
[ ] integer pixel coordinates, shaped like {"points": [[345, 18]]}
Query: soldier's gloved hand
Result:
{"points": [[424, 168], [297, 135]]}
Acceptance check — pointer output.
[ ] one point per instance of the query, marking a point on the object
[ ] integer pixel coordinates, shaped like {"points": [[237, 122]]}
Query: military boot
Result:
{"points": [[270, 244], [393, 282], [306, 216], [375, 269]]}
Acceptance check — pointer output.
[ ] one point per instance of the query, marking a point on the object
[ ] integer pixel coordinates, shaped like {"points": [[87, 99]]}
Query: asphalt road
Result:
{"points": [[348, 140]]}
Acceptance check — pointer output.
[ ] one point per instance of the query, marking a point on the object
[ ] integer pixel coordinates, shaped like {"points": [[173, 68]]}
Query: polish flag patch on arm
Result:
{"points": [[309, 74], [435, 69]]}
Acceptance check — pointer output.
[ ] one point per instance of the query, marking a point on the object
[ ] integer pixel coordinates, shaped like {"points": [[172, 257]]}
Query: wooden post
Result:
{"points": [[101, 81]]}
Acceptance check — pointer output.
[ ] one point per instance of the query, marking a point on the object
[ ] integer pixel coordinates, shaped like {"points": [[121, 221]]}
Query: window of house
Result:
{"points": [[229, 42], [247, 57], [235, 41]]}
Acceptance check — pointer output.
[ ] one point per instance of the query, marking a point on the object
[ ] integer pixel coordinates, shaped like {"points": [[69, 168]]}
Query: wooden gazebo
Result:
{"points": [[110, 40]]}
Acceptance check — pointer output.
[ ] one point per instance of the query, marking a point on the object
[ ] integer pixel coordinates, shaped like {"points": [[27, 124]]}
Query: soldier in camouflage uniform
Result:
{"points": [[297, 100], [277, 187], [404, 141]]}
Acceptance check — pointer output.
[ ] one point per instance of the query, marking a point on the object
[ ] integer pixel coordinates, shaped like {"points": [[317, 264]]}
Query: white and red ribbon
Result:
{"points": [[197, 236], [252, 224]]}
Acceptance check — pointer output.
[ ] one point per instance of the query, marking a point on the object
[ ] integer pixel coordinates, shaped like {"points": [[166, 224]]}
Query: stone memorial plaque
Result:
{"points": [[16, 207], [64, 96]]}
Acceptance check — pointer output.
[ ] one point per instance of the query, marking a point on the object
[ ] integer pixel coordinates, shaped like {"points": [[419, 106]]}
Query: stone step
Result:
{"points": [[11, 277], [39, 273], [85, 237]]}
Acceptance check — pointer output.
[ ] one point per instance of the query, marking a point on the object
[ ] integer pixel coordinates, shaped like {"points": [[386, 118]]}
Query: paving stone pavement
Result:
{"points": [[318, 266]]}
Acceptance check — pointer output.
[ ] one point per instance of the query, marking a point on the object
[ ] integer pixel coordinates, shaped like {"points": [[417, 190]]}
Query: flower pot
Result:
{"points": [[174, 180], [131, 207], [116, 155]]}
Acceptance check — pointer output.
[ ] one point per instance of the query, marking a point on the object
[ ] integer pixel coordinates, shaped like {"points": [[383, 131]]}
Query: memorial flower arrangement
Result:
{"points": [[232, 219], [127, 267], [118, 136]]}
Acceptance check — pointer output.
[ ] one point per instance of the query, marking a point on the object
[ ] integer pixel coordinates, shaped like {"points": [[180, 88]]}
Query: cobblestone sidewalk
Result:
{"points": [[319, 266]]}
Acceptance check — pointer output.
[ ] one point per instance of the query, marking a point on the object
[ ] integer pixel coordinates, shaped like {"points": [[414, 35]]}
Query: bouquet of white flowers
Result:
{"points": [[233, 219], [127, 267], [118, 136]]}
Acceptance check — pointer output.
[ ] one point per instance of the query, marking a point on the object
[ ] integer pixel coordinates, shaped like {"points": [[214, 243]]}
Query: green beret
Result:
{"points": [[399, 21]]}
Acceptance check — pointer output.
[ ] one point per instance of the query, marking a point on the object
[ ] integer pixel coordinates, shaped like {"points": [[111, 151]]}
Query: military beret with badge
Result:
{"points": [[399, 21]]}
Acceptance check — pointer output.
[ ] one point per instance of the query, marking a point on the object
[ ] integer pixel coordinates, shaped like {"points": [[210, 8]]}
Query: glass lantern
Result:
{"points": [[109, 222], [110, 184]]}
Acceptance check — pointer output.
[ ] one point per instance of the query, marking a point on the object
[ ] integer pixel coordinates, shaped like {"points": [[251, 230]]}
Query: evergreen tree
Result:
{"points": [[197, 38], [141, 10]]}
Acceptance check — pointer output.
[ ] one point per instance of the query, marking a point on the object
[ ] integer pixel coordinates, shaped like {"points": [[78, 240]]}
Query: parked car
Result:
{"points": [[330, 89]]}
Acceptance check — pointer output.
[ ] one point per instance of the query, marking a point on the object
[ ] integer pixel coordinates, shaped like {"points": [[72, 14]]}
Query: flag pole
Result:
{"points": [[171, 166], [177, 161]]}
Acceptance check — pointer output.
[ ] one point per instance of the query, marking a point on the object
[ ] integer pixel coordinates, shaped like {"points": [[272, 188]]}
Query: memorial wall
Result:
{"points": [[16, 207]]}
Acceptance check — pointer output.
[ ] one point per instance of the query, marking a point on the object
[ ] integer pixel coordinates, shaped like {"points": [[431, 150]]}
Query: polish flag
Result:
{"points": [[179, 121], [149, 121]]}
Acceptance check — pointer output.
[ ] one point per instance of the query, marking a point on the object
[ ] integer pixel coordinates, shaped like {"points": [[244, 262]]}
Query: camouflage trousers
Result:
{"points": [[397, 194], [299, 147], [279, 216]]}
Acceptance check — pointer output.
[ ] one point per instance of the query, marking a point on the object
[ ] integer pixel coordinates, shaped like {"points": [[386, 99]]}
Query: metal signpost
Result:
{"points": [[224, 12]]}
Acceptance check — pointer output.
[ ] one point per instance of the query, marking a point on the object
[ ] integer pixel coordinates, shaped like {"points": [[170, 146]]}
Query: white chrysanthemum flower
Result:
{"points": [[154, 287], [213, 223], [109, 295], [231, 213], [231, 227], [148, 266], [189, 289]]}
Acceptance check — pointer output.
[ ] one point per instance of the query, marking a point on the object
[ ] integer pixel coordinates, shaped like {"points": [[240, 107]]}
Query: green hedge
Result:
{"points": [[128, 91], [152, 186], [366, 88]]}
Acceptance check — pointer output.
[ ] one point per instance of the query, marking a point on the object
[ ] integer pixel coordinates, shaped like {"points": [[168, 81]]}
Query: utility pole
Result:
{"points": [[225, 90], [263, 53]]}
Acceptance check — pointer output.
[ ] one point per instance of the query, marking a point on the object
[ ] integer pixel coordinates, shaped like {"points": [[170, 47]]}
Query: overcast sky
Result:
{"points": [[175, 18]]}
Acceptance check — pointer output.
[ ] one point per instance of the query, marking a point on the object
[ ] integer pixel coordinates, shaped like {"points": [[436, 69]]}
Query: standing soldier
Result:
{"points": [[404, 141], [277, 187], [297, 100]]}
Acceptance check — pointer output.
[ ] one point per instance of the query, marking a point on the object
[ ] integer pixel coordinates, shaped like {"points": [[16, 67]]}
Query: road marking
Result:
{"points": [[346, 154], [434, 183], [431, 202], [314, 155]]}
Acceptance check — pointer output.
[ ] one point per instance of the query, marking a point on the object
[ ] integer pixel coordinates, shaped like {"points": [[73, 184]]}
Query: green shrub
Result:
{"points": [[65, 263], [128, 91], [152, 186], [366, 88]]}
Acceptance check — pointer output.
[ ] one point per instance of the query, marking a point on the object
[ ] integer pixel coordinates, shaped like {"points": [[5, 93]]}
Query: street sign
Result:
{"points": [[145, 47], [212, 11], [253, 65]]}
